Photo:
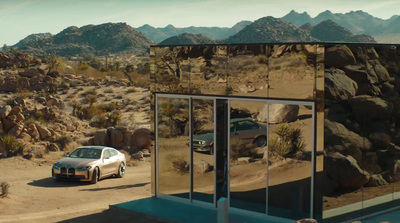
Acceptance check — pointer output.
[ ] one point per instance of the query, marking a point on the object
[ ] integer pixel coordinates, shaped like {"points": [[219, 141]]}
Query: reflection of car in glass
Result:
{"points": [[243, 129], [90, 163]]}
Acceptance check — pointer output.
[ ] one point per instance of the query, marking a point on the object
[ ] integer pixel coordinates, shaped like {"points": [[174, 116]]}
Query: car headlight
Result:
{"points": [[57, 165], [202, 142], [84, 168]]}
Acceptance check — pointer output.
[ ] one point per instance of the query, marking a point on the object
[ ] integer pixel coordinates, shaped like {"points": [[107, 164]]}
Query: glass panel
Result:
{"points": [[209, 69], [173, 149], [292, 67], [290, 142], [248, 68], [248, 171], [203, 150]]}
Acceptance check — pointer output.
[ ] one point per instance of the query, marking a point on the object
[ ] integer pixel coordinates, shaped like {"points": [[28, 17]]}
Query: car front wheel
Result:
{"points": [[260, 141], [121, 170], [95, 176]]}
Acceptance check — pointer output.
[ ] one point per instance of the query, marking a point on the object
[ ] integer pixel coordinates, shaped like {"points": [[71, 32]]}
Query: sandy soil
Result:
{"points": [[35, 197]]}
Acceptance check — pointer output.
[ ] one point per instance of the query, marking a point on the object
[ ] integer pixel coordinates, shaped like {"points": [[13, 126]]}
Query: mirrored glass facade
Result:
{"points": [[285, 131]]}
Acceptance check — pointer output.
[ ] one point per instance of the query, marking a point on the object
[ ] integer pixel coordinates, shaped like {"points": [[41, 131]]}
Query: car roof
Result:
{"points": [[96, 147]]}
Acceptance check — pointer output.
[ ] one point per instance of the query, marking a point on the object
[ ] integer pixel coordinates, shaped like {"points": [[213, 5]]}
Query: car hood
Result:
{"points": [[208, 137], [76, 162]]}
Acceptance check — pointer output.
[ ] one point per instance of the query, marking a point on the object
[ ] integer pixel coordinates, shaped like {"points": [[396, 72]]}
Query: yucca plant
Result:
{"points": [[289, 141]]}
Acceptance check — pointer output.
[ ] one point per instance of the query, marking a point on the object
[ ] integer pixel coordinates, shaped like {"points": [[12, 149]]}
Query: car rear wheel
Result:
{"points": [[260, 141], [121, 170], [95, 175]]}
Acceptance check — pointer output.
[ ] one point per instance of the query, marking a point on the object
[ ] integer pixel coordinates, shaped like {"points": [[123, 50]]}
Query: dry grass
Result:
{"points": [[4, 189]]}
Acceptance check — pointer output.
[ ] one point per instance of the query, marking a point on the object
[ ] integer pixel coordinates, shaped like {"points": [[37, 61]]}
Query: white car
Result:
{"points": [[90, 163]]}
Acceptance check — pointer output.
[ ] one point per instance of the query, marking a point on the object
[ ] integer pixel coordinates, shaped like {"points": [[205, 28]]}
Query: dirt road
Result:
{"points": [[35, 197]]}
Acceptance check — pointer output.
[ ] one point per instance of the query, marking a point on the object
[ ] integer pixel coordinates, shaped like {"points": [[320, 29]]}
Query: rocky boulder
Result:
{"points": [[376, 180], [201, 167], [101, 138], [367, 108], [339, 56], [44, 132], [33, 132], [32, 72], [337, 134], [141, 139], [346, 171], [5, 111], [278, 113], [338, 86], [116, 137], [16, 130]]}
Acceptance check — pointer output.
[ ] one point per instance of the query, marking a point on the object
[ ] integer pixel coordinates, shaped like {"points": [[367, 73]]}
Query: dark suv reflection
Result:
{"points": [[243, 129]]}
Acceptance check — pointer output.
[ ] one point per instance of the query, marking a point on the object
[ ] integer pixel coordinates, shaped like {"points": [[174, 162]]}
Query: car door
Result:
{"points": [[246, 131], [114, 161], [107, 163]]}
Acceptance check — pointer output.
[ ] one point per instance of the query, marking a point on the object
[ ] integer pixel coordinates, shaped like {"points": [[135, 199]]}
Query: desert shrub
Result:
{"points": [[23, 93], [131, 90], [63, 141], [228, 90], [109, 107], [262, 59], [109, 91], [11, 145], [239, 149], [30, 121], [91, 99], [99, 121], [289, 141], [179, 164], [83, 66], [4, 189], [90, 92], [114, 118]]}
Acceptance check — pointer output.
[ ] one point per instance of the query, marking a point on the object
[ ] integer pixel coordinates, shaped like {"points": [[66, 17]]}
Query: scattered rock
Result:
{"points": [[367, 108], [244, 160], [33, 132], [201, 167], [44, 132], [141, 138], [376, 180], [339, 56], [53, 147]]}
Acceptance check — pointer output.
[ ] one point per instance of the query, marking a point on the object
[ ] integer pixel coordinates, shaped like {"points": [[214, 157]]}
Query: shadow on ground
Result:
{"points": [[50, 182], [114, 216], [117, 187]]}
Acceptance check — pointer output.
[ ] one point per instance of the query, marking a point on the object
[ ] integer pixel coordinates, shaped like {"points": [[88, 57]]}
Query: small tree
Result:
{"points": [[5, 48], [129, 69], [54, 62]]}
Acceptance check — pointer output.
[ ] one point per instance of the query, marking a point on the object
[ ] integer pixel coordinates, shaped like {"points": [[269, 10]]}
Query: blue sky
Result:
{"points": [[19, 18]]}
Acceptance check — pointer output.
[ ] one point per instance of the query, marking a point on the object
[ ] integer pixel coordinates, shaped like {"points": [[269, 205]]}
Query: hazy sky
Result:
{"points": [[19, 18]]}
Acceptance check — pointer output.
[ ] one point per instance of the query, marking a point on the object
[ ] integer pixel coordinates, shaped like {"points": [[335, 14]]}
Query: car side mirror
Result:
{"points": [[67, 155]]}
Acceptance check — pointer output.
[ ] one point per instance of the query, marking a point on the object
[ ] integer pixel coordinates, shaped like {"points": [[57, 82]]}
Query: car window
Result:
{"points": [[246, 125], [113, 152], [86, 153], [107, 154]]}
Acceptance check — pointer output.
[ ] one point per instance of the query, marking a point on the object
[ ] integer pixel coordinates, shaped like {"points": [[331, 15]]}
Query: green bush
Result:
{"points": [[289, 141], [11, 145]]}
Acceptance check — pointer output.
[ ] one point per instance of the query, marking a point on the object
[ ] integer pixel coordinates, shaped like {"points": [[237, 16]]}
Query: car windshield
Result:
{"points": [[86, 153]]}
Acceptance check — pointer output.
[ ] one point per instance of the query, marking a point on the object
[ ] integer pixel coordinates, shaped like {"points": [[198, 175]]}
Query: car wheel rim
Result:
{"points": [[122, 169], [261, 142]]}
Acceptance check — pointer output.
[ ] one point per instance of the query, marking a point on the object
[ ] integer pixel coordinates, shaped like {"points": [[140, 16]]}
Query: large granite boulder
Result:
{"points": [[338, 86], [5, 111], [339, 56], [278, 113], [367, 108], [345, 170], [337, 134], [141, 139], [101, 138]]}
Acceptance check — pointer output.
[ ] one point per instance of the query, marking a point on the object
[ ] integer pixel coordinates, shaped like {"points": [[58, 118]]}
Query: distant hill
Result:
{"points": [[188, 39], [216, 33], [358, 22], [329, 30], [270, 30], [90, 39]]}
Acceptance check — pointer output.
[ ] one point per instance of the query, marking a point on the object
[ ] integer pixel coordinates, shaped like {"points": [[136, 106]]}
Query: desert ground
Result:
{"points": [[35, 197]]}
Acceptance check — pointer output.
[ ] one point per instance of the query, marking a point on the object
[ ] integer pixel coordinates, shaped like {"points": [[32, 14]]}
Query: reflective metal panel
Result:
{"points": [[248, 70], [292, 71], [209, 69], [248, 166], [173, 148], [290, 146]]}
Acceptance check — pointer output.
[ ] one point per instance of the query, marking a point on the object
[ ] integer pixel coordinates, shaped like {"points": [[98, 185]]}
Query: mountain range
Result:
{"points": [[354, 26], [358, 22]]}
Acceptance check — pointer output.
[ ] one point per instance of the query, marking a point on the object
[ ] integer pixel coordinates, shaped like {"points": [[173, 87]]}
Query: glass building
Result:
{"points": [[283, 131]]}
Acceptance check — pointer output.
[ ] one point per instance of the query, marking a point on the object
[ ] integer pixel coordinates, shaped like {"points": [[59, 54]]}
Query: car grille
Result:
{"points": [[197, 143], [67, 172]]}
